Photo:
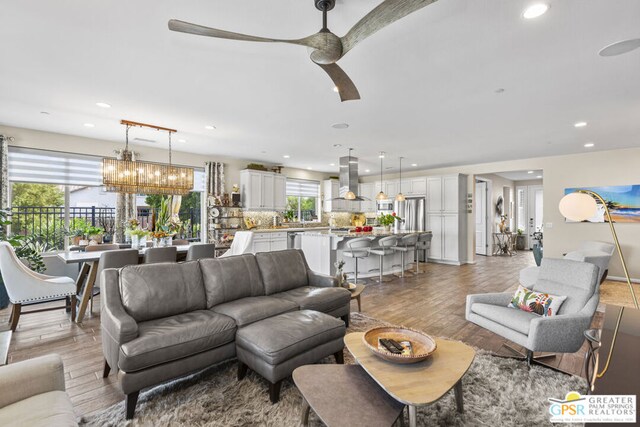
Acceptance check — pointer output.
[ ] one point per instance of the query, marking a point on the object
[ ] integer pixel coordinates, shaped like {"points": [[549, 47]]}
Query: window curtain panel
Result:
{"points": [[214, 178], [4, 172]]}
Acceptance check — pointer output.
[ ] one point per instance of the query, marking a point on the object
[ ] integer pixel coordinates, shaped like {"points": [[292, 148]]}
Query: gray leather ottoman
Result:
{"points": [[274, 347]]}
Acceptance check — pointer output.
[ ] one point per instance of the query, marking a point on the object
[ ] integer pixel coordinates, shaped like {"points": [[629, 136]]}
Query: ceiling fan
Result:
{"points": [[327, 47]]}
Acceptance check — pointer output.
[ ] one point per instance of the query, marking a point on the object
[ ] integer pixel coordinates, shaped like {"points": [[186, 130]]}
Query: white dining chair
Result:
{"points": [[242, 244], [26, 287]]}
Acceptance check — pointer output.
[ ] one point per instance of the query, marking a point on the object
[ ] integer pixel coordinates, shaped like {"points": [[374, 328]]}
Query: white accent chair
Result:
{"points": [[32, 393], [598, 253], [26, 287], [242, 244]]}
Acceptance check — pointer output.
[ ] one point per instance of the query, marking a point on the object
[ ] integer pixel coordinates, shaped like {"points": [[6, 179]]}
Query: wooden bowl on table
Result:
{"points": [[422, 344]]}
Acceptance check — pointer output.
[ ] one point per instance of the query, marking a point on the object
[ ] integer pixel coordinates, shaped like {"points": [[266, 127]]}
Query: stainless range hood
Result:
{"points": [[349, 179]]}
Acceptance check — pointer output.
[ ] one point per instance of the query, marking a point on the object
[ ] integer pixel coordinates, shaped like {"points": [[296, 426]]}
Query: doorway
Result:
{"points": [[482, 218]]}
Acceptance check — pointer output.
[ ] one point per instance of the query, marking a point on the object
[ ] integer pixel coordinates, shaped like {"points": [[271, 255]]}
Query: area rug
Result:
{"points": [[497, 391]]}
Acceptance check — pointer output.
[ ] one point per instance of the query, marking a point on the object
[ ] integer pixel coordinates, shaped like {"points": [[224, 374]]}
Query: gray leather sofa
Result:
{"points": [[162, 321]]}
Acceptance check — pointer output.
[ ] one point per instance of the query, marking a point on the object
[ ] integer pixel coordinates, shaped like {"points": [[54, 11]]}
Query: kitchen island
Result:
{"points": [[323, 248]]}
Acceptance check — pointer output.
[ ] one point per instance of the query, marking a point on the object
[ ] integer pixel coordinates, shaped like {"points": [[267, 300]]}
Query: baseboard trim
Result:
{"points": [[622, 279]]}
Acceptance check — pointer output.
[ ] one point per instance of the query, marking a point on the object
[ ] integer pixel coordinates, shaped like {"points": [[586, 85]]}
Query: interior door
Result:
{"points": [[535, 211], [481, 218]]}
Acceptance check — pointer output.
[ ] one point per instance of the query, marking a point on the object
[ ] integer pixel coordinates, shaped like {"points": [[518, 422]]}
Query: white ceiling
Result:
{"points": [[428, 82], [521, 175]]}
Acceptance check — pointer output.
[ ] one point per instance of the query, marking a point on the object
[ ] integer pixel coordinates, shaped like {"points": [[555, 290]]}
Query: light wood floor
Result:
{"points": [[433, 302]]}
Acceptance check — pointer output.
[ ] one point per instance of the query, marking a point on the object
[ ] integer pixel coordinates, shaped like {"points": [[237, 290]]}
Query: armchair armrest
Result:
{"points": [[321, 280], [563, 333], [113, 317], [21, 380], [501, 298]]}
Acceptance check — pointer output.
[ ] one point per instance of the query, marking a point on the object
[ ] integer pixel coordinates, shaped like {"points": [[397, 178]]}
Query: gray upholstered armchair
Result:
{"points": [[562, 333]]}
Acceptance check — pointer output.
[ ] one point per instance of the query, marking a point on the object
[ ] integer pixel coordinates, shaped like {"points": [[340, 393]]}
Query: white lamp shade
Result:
{"points": [[578, 206], [350, 195], [400, 197], [381, 196]]}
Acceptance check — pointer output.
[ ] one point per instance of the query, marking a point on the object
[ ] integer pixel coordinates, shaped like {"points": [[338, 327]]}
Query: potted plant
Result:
{"points": [[94, 234], [138, 238], [159, 238], [289, 216], [520, 239], [387, 220]]}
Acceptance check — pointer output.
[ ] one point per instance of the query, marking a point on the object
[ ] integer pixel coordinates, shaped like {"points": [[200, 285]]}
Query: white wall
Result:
{"points": [[596, 168], [76, 144]]}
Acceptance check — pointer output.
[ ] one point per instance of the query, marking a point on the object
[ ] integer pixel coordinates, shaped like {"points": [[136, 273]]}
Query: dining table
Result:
{"points": [[88, 272]]}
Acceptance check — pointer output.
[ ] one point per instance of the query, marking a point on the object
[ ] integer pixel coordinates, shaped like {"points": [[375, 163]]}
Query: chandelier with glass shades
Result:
{"points": [[125, 174]]}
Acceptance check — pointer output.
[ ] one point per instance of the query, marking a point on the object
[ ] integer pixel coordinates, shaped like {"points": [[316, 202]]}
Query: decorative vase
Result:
{"points": [[135, 242], [156, 242], [339, 277], [166, 241], [537, 254], [387, 228]]}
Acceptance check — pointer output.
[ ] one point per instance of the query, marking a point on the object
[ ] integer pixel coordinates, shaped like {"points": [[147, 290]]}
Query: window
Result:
{"points": [[42, 180], [303, 200]]}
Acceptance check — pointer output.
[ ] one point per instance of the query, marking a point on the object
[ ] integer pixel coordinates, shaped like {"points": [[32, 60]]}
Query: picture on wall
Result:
{"points": [[623, 202]]}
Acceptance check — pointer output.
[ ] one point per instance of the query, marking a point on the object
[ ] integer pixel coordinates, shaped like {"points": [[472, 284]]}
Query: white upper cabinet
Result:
{"points": [[416, 186], [391, 188], [368, 191], [434, 194], [262, 190], [444, 193], [331, 190]]}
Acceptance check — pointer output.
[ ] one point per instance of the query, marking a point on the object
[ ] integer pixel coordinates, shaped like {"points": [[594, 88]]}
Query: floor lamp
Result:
{"points": [[580, 206]]}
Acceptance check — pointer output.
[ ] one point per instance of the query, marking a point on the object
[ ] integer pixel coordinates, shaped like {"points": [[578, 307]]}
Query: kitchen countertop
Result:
{"points": [[375, 233], [286, 229]]}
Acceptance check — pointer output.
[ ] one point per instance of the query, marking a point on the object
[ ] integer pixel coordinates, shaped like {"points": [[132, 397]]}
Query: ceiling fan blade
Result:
{"points": [[384, 14], [346, 89], [200, 30]]}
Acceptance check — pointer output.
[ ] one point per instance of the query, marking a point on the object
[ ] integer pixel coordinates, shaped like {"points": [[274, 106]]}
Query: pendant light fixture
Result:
{"points": [[381, 195], [400, 196], [126, 175]]}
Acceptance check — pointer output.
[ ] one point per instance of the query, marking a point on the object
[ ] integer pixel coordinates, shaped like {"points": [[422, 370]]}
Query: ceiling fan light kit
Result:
{"points": [[326, 47]]}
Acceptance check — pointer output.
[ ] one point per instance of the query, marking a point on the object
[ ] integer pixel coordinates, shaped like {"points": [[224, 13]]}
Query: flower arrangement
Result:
{"points": [[388, 219], [159, 234], [138, 232]]}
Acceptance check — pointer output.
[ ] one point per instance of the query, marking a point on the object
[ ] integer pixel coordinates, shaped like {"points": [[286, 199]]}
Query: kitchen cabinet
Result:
{"points": [[447, 218], [269, 242], [368, 191], [262, 190], [415, 186], [391, 189]]}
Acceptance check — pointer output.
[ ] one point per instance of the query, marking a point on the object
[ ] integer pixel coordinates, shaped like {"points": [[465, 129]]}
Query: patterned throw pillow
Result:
{"points": [[536, 302]]}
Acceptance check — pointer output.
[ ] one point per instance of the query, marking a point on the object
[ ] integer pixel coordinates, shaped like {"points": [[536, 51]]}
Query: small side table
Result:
{"points": [[344, 395], [355, 294]]}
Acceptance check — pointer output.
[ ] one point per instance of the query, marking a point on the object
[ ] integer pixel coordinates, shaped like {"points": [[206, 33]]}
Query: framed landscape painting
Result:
{"points": [[623, 202]]}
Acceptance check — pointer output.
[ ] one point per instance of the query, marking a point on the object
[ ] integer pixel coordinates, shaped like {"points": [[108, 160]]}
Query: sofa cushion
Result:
{"points": [[175, 337], [248, 310], [517, 320], [282, 270], [42, 410], [154, 291], [282, 337], [232, 278], [319, 299]]}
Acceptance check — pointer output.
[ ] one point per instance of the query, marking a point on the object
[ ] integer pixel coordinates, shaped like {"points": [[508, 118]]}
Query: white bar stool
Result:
{"points": [[357, 248], [384, 248], [406, 244]]}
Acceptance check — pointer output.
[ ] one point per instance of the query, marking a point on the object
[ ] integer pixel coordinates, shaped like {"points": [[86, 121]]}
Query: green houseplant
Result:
{"points": [[387, 220], [520, 239]]}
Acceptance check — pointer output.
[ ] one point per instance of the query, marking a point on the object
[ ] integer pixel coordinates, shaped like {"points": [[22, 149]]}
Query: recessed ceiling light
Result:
{"points": [[340, 125], [89, 125], [335, 89], [535, 10], [367, 170], [414, 165], [580, 124], [46, 113], [182, 140], [539, 176], [309, 168], [618, 48], [337, 145], [286, 156], [210, 127], [589, 145], [263, 152], [530, 172], [332, 164], [103, 105]]}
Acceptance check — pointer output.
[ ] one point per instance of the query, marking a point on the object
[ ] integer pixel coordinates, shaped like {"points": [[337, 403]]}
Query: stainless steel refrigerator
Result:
{"points": [[413, 213]]}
